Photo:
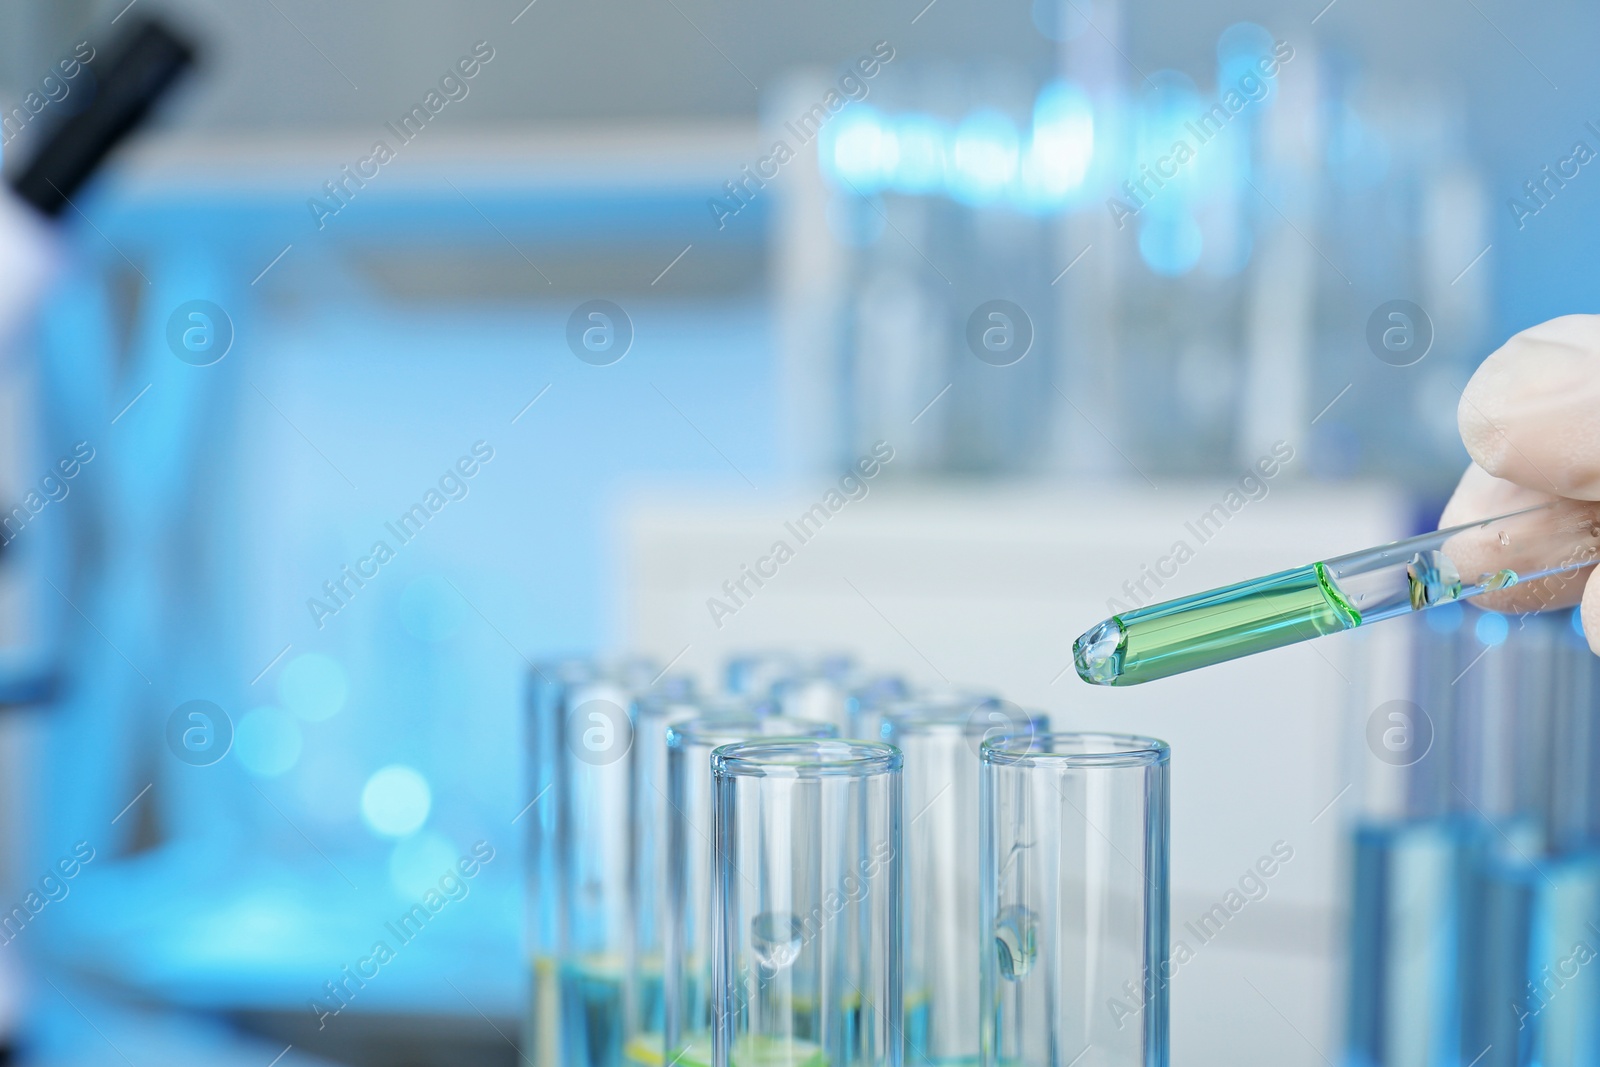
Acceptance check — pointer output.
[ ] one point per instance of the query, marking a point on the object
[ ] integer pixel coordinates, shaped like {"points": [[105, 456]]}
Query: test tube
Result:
{"points": [[1526, 561], [867, 701], [819, 689], [1074, 905], [807, 904], [1453, 713], [870, 715], [1534, 995], [649, 859], [588, 990], [755, 674], [939, 742], [803, 687], [548, 683], [688, 930]]}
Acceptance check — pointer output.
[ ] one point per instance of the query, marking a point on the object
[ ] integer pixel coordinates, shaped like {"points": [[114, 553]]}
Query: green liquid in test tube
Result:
{"points": [[1540, 549]]}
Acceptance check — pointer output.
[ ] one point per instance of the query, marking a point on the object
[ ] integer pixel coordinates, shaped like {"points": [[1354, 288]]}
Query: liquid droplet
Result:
{"points": [[1098, 653], [776, 938], [1434, 579], [1014, 942], [1505, 539], [1499, 580]]}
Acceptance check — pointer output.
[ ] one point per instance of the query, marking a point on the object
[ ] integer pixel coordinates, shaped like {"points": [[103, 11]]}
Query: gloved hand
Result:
{"points": [[1530, 418]]}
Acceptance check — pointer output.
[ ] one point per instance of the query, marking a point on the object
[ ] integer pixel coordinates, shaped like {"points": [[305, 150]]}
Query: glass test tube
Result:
{"points": [[870, 715], [588, 993], [1426, 755], [670, 701], [819, 690], [807, 904], [1074, 901], [1467, 870], [688, 929], [1530, 559], [1533, 997], [867, 701], [548, 685], [939, 742], [755, 674]]}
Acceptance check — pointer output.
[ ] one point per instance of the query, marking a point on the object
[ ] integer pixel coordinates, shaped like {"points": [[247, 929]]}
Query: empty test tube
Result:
{"points": [[868, 699], [1074, 901], [755, 674], [869, 717], [807, 904], [818, 688]]}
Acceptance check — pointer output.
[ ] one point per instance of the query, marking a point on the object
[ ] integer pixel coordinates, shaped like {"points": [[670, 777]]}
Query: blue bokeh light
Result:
{"points": [[985, 157], [396, 801], [1491, 629], [863, 149], [1058, 157], [922, 148]]}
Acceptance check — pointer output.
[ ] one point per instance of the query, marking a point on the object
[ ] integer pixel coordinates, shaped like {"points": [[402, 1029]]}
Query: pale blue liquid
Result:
{"points": [[1537, 1001], [1465, 948], [1414, 901], [591, 1014], [586, 1001]]}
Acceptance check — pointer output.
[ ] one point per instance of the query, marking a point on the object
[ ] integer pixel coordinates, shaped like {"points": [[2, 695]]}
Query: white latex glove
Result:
{"points": [[1530, 418]]}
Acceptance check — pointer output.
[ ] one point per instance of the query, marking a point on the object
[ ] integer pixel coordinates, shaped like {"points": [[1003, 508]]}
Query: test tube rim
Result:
{"points": [[661, 704], [754, 758], [836, 667], [1127, 750], [663, 709], [703, 729], [954, 698], [722, 706], [878, 682], [792, 664], [923, 720]]}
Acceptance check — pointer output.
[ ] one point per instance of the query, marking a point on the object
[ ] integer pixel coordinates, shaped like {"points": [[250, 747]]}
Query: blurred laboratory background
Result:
{"points": [[529, 330]]}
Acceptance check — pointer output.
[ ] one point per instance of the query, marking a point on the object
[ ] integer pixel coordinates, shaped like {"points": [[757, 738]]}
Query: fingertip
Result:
{"points": [[1589, 614], [1526, 415], [1480, 414]]}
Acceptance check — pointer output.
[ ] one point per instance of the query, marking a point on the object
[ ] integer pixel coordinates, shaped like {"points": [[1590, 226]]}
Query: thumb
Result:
{"points": [[1529, 414]]}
